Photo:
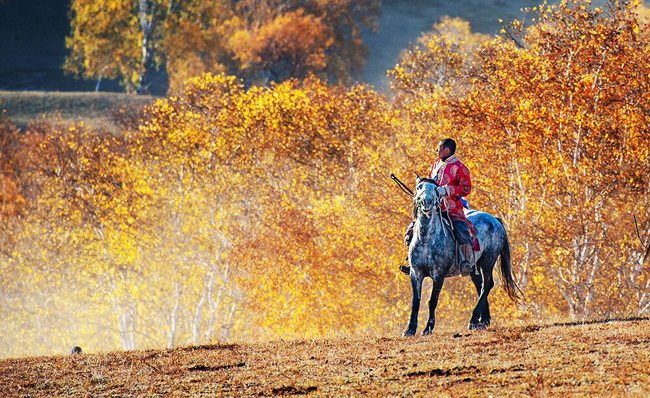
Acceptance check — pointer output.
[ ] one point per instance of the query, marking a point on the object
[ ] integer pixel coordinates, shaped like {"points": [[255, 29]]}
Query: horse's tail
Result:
{"points": [[507, 281]]}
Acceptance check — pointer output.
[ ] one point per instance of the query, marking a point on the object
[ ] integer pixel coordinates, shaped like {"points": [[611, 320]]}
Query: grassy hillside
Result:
{"points": [[94, 109], [601, 358]]}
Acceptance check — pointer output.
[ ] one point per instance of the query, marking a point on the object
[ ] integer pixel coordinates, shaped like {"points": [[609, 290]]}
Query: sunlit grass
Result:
{"points": [[603, 358], [95, 110]]}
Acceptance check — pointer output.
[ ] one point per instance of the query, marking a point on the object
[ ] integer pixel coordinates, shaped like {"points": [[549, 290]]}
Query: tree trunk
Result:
{"points": [[174, 318], [196, 332], [147, 16], [127, 324]]}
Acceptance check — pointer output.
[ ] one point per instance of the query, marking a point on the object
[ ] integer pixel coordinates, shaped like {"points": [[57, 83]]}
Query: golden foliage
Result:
{"points": [[284, 154], [105, 41], [11, 198], [196, 41], [273, 46]]}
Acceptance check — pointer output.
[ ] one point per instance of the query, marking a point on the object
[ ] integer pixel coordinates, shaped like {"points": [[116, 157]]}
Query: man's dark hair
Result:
{"points": [[449, 143]]}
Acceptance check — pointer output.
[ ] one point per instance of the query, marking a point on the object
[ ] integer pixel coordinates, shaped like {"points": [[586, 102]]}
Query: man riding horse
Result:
{"points": [[453, 180]]}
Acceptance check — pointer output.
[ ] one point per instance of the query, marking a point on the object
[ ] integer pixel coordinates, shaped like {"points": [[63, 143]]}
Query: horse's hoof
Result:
{"points": [[427, 331], [477, 326], [409, 333]]}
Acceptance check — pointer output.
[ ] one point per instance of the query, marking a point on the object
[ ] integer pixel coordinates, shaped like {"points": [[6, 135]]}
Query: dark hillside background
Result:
{"points": [[32, 38], [32, 47]]}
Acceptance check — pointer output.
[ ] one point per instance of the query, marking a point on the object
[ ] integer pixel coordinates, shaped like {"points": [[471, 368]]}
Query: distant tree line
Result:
{"points": [[258, 40]]}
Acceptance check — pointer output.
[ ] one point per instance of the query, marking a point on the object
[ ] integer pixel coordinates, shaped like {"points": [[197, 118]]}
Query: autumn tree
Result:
{"points": [[179, 140], [271, 48], [116, 39], [197, 40], [329, 32], [553, 116], [274, 161], [12, 200], [33, 273], [12, 204]]}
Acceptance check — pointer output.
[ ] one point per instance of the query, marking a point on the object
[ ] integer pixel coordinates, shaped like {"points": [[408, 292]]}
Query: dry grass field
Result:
{"points": [[96, 110], [608, 358]]}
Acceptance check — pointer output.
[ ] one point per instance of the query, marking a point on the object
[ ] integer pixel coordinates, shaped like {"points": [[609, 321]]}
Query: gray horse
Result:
{"points": [[432, 253]]}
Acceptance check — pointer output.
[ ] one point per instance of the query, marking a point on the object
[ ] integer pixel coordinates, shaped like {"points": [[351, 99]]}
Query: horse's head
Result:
{"points": [[426, 200]]}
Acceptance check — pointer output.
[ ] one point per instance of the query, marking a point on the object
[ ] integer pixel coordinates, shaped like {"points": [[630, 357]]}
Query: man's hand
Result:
{"points": [[441, 191]]}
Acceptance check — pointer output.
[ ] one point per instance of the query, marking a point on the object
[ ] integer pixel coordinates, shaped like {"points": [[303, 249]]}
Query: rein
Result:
{"points": [[401, 185], [427, 213]]}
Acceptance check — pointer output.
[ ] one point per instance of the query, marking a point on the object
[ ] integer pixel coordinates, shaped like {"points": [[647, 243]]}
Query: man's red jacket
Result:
{"points": [[454, 176]]}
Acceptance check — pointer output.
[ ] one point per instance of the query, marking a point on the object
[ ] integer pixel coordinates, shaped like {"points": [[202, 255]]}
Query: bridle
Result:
{"points": [[428, 202], [425, 200]]}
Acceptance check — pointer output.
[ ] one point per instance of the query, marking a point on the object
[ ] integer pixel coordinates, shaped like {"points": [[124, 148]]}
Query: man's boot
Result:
{"points": [[405, 269], [468, 256]]}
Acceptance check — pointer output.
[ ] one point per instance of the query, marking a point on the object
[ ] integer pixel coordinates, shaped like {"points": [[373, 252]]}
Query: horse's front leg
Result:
{"points": [[433, 303], [416, 283]]}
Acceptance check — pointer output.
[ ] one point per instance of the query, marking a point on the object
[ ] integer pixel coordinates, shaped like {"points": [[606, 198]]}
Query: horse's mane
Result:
{"points": [[430, 180]]}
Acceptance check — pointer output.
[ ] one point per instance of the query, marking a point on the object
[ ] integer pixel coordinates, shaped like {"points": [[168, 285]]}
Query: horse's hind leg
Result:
{"points": [[433, 303], [416, 283], [484, 317], [478, 284], [484, 284]]}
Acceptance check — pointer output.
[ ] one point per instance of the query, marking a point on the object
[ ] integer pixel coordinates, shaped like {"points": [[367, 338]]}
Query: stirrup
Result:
{"points": [[405, 269]]}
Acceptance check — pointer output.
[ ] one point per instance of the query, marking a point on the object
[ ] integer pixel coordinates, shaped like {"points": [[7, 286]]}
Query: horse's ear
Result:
{"points": [[417, 179]]}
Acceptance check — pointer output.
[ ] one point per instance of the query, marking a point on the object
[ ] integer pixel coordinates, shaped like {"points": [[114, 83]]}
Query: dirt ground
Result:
{"points": [[596, 359]]}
